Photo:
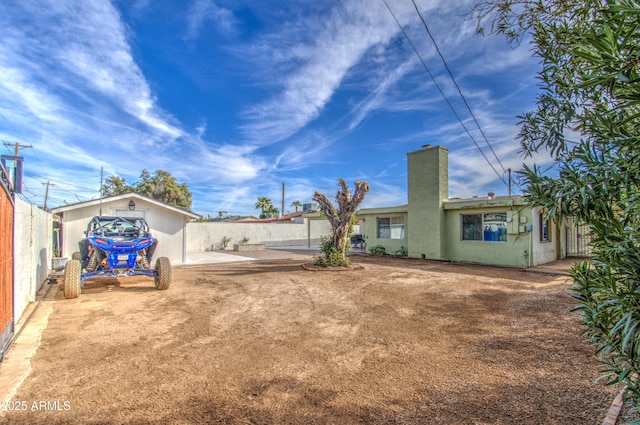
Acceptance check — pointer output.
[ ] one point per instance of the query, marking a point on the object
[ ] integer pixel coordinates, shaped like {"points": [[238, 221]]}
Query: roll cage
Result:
{"points": [[118, 227]]}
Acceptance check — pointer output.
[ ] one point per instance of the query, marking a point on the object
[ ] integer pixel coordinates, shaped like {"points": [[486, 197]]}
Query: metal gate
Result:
{"points": [[6, 263], [578, 239]]}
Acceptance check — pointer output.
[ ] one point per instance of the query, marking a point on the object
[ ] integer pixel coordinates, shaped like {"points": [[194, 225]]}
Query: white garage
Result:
{"points": [[166, 222]]}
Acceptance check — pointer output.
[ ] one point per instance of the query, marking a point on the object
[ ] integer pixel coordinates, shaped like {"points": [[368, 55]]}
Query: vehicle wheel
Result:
{"points": [[76, 256], [163, 270], [72, 274]]}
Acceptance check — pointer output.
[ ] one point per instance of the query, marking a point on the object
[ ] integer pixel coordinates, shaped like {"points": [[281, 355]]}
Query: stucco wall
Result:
{"points": [[514, 252], [208, 236], [368, 226], [544, 252], [166, 226], [33, 252]]}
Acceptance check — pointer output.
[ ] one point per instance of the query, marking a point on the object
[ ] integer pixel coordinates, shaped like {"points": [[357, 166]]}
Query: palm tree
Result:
{"points": [[264, 204], [296, 204]]}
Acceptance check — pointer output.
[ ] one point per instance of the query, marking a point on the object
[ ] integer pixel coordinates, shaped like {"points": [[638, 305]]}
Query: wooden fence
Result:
{"points": [[6, 263]]}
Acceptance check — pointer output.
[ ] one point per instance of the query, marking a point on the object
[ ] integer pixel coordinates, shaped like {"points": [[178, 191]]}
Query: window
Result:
{"points": [[488, 227], [472, 227], [391, 228], [545, 229]]}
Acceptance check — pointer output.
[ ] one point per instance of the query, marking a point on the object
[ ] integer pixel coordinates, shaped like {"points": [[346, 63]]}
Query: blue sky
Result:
{"points": [[236, 97]]}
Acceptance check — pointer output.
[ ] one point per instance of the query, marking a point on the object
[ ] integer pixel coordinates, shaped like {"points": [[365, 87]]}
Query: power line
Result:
{"points": [[34, 151], [44, 180], [24, 198], [16, 151], [501, 177], [9, 123], [17, 146], [56, 189], [35, 155], [38, 177], [446, 65]]}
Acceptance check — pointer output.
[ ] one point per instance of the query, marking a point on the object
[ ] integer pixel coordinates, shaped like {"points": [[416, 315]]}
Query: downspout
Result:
{"points": [[530, 247], [559, 255]]}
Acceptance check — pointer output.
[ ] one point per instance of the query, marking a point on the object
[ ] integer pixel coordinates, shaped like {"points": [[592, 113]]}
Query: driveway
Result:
{"points": [[387, 341]]}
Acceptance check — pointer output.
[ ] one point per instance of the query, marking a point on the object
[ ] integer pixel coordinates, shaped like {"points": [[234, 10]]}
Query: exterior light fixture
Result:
{"points": [[132, 205]]}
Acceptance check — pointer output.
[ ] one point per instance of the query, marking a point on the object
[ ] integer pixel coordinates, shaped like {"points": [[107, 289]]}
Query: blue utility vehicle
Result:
{"points": [[117, 247]]}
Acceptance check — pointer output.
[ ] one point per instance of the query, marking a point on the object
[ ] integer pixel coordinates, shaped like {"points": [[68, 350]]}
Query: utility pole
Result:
{"points": [[282, 212], [509, 170], [46, 194], [16, 150], [17, 179]]}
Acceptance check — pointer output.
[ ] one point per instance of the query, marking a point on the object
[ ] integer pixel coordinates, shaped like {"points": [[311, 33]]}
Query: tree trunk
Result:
{"points": [[340, 218]]}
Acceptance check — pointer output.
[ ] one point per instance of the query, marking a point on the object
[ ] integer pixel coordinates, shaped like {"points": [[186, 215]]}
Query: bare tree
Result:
{"points": [[340, 218]]}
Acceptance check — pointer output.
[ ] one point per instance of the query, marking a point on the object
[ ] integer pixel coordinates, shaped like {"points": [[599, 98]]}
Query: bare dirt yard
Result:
{"points": [[392, 341]]}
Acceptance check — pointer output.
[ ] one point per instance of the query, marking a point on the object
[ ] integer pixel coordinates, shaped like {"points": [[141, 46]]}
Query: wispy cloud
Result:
{"points": [[203, 11], [377, 99], [222, 164], [340, 41], [308, 148], [22, 98], [384, 195], [83, 49]]}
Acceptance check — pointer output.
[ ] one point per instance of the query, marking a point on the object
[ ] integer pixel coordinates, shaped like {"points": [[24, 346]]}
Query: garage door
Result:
{"points": [[6, 268]]}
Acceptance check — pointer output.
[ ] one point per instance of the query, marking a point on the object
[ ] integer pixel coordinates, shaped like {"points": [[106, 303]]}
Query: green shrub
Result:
{"points": [[402, 252], [378, 250], [331, 256]]}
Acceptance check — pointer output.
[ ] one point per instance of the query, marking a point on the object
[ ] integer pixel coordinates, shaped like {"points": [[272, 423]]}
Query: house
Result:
{"points": [[166, 222], [500, 230]]}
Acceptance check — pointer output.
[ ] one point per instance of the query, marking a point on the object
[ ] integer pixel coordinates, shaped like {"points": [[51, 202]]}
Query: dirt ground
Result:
{"points": [[392, 341]]}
